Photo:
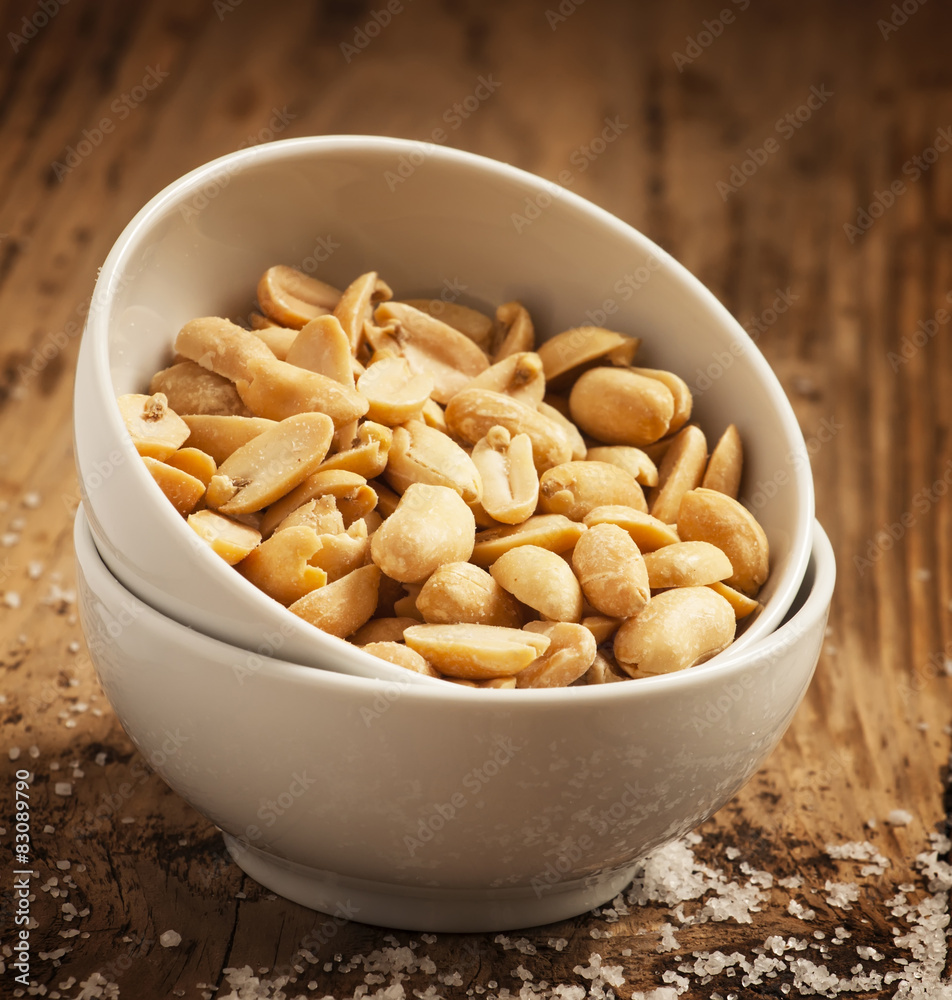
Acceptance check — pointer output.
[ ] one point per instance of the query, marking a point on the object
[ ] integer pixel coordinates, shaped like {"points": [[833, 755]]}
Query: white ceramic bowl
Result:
{"points": [[441, 808], [432, 221]]}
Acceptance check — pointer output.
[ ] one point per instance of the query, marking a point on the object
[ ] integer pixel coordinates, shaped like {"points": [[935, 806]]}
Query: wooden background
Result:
{"points": [[873, 396]]}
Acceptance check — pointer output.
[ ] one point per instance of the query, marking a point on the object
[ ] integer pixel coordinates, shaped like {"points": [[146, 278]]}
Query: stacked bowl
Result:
{"points": [[338, 778]]}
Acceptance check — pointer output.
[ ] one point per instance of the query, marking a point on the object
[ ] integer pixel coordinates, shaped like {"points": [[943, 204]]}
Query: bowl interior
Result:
{"points": [[434, 222]]}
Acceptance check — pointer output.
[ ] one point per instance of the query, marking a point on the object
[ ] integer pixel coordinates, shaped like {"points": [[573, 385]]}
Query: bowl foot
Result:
{"points": [[415, 908]]}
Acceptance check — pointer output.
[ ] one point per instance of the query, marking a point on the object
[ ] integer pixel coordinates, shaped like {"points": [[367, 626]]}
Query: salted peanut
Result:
{"points": [[341, 554], [227, 538], [495, 682], [647, 532], [509, 479], [743, 605], [321, 514], [220, 436], [678, 629], [471, 322], [579, 448], [183, 490], [518, 375], [680, 390], [549, 531], [612, 571], [567, 353], [277, 390], [189, 388], [352, 495], [602, 627], [476, 652], [195, 462], [322, 346], [270, 465], [514, 331], [619, 407], [687, 564], [542, 580], [220, 346], [401, 655], [293, 299], [433, 416], [341, 607], [633, 460], [571, 652], [278, 338], [258, 321], [681, 469], [355, 309], [472, 413], [367, 454], [576, 488], [282, 567], [431, 526], [602, 671], [726, 464], [406, 606], [432, 346], [387, 499], [395, 393], [709, 516], [371, 521], [658, 449], [382, 629], [390, 591], [156, 430], [420, 454], [462, 592], [483, 520]]}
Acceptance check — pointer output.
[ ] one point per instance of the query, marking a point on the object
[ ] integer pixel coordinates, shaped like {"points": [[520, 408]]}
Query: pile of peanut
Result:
{"points": [[433, 485]]}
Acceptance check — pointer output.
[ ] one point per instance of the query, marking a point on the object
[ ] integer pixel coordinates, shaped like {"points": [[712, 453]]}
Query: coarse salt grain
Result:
{"points": [[899, 817], [170, 939], [11, 599], [14, 753], [63, 788]]}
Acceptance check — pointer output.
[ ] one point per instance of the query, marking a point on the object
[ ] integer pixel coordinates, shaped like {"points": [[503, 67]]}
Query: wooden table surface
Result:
{"points": [[796, 158]]}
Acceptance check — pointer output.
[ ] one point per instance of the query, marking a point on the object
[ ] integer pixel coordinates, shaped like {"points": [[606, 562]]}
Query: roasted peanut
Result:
{"points": [[681, 470], [472, 413], [227, 538], [602, 671], [567, 353], [189, 388], [321, 514], [183, 490], [220, 436], [431, 526], [687, 564], [270, 465], [220, 346], [549, 531], [676, 630], [540, 579], [709, 516], [195, 462], [356, 305], [406, 606], [602, 627], [353, 496], [725, 465], [293, 299], [282, 567], [470, 322], [743, 605], [633, 460], [341, 607], [683, 402], [517, 375], [156, 431], [647, 532], [556, 415], [611, 571], [382, 629], [402, 656], [514, 332], [619, 407], [571, 652], [394, 392], [476, 652], [431, 346], [367, 454], [341, 554], [462, 592], [322, 346], [510, 485], [278, 338], [420, 454], [576, 488]]}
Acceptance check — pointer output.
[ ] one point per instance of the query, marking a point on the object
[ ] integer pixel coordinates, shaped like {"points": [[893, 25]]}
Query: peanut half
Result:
{"points": [[633, 460], [182, 489], [156, 430], [227, 538], [571, 652], [420, 454], [394, 392], [518, 375], [189, 388], [619, 407], [293, 299], [687, 564], [647, 532], [576, 488], [510, 484], [356, 305], [322, 346], [725, 465], [681, 470], [476, 652], [220, 436], [540, 579], [341, 607], [514, 331], [220, 346], [462, 592], [549, 531], [470, 322]]}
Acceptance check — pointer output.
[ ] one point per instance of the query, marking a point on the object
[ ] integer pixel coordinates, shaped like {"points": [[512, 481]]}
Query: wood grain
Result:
{"points": [[874, 402]]}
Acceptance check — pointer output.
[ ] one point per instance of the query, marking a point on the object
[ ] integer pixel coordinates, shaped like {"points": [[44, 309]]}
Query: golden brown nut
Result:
{"points": [[476, 652], [226, 537], [611, 571], [292, 299], [189, 388], [183, 490], [461, 592], [540, 579], [156, 430], [619, 407], [341, 607]]}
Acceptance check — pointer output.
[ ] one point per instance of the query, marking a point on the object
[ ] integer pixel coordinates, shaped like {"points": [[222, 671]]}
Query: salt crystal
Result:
{"points": [[63, 865], [899, 817], [73, 647], [49, 829], [732, 852], [170, 939], [34, 569], [31, 500], [101, 758], [34, 751], [8, 539], [11, 599], [63, 788], [841, 894], [14, 753]]}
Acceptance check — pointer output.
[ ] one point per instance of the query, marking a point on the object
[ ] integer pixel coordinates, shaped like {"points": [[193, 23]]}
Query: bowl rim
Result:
{"points": [[96, 333], [761, 654]]}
